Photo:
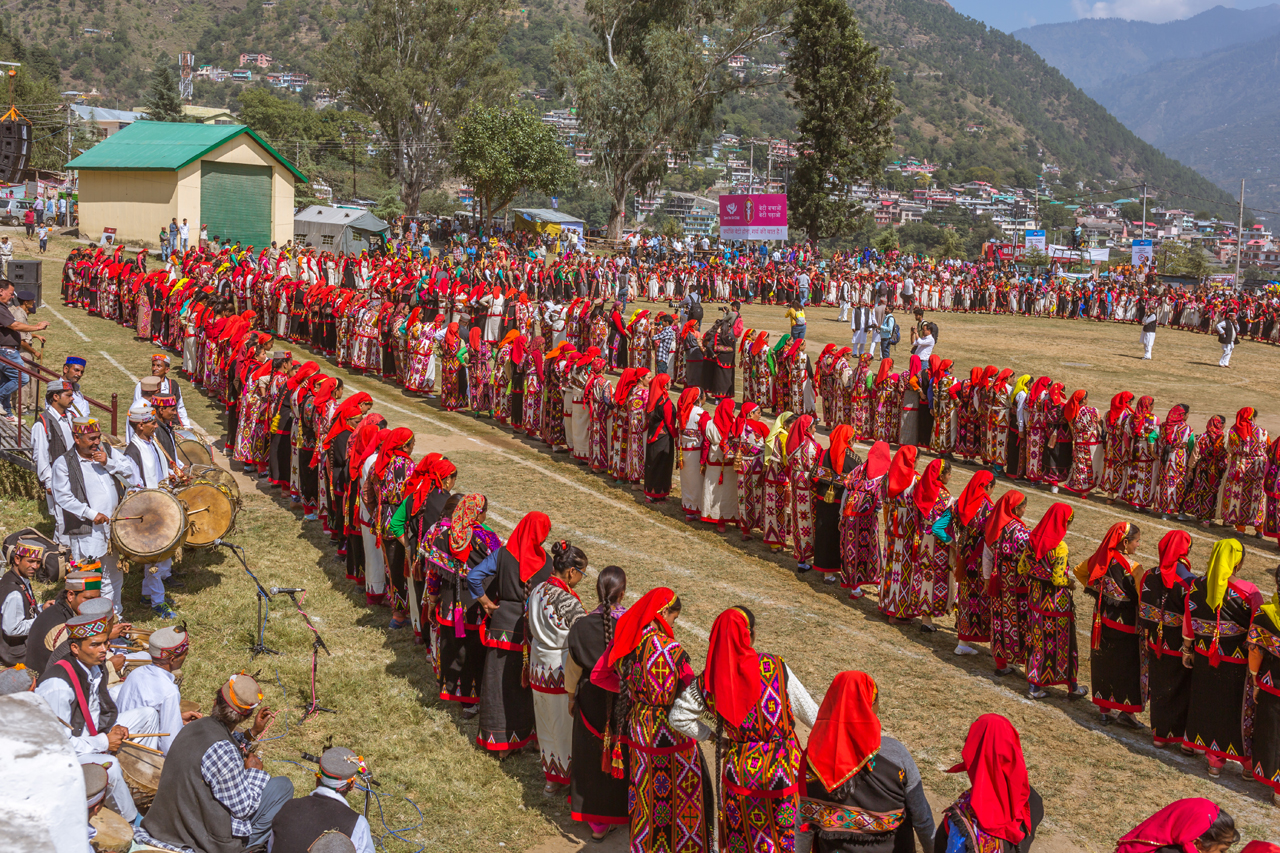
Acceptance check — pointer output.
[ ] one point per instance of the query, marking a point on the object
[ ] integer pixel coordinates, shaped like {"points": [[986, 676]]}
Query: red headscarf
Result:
{"points": [[688, 398], [1002, 378], [1055, 394], [724, 421], [877, 460], [732, 675], [301, 374], [324, 391], [434, 473], [657, 391], [802, 429], [984, 381], [526, 541], [886, 365], [1001, 515], [465, 517], [365, 441], [1244, 423], [1073, 405], [929, 487], [517, 349], [841, 437], [1119, 405], [1109, 551], [451, 339], [846, 734], [1213, 428], [973, 496], [349, 408], [625, 383], [744, 421], [1051, 530], [1174, 548], [393, 446], [1037, 388], [1261, 847], [902, 471], [631, 625], [1001, 793], [474, 338], [1178, 824]]}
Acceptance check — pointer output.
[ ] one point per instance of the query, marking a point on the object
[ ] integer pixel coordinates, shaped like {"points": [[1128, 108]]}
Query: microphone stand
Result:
{"points": [[264, 605], [317, 644]]}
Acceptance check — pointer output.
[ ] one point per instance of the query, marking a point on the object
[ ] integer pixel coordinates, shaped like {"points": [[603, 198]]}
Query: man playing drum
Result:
{"points": [[166, 387], [86, 491], [76, 690], [153, 686], [151, 470]]}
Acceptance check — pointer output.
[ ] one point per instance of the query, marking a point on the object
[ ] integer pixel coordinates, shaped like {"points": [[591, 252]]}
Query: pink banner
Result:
{"points": [[753, 217]]}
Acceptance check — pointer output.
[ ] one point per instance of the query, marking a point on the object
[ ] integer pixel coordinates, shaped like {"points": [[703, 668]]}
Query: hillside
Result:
{"points": [[1247, 149], [1092, 51]]}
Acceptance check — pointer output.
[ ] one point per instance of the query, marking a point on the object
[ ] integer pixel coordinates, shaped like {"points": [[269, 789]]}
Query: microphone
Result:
{"points": [[219, 542], [276, 590]]}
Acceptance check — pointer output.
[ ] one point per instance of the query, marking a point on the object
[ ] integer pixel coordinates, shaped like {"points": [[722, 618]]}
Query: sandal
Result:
{"points": [[397, 624]]}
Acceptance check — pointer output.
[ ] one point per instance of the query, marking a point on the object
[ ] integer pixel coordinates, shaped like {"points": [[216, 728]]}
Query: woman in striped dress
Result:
{"points": [[1082, 420], [1116, 446], [1004, 540]]}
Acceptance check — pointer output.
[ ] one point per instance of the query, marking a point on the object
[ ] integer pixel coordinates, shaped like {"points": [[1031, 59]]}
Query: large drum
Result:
{"points": [[115, 835], [189, 449], [141, 769], [211, 512], [214, 474], [149, 526]]}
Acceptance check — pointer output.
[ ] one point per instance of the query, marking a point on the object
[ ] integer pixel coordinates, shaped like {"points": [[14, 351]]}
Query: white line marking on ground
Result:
{"points": [[72, 325], [118, 365]]}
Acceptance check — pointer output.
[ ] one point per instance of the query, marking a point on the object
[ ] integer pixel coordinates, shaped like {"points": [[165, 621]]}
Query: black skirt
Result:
{"points": [[826, 536], [506, 704], [461, 664], [308, 478], [595, 795], [1169, 692], [719, 379], [1116, 669], [1215, 726], [659, 461], [279, 460], [1266, 740]]}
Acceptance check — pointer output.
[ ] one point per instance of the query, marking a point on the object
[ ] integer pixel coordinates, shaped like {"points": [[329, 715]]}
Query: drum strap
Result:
{"points": [[80, 697]]}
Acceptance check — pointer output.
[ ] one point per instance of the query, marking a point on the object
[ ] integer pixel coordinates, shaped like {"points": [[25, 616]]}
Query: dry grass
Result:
{"points": [[1097, 782]]}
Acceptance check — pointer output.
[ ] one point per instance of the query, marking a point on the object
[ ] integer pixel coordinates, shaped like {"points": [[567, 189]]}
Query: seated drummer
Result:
{"points": [[18, 608], [76, 690], [212, 796], [303, 821], [153, 467], [154, 685], [98, 608], [77, 588]]}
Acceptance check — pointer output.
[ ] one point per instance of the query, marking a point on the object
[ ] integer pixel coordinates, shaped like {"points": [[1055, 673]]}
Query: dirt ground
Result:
{"points": [[1097, 782]]}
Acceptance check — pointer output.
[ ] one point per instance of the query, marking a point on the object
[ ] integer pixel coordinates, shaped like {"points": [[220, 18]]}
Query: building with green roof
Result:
{"points": [[225, 177]]}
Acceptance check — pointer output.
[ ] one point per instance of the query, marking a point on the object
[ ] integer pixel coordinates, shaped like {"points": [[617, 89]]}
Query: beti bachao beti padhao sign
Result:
{"points": [[753, 217]]}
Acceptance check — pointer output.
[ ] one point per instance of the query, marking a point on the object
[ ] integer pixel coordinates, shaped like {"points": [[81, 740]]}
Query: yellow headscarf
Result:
{"points": [[1226, 556], [1023, 384], [1272, 608], [779, 428]]}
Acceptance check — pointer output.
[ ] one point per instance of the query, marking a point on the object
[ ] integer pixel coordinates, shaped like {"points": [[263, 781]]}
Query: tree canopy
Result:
{"points": [[163, 103]]}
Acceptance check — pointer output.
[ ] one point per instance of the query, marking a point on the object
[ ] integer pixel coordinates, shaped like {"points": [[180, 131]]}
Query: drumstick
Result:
{"points": [[153, 734], [131, 518], [145, 748], [194, 511]]}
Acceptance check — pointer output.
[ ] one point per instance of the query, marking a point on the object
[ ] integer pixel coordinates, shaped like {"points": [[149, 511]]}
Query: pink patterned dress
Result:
{"points": [[973, 604], [777, 496], [1085, 445], [902, 556], [1174, 448], [799, 466], [863, 562], [1246, 465]]}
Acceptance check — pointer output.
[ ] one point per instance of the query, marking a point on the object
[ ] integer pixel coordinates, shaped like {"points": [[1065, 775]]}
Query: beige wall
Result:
{"points": [[138, 203]]}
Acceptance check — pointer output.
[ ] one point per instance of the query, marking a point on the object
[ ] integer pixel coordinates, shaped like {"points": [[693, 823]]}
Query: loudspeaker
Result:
{"points": [[28, 275], [15, 149]]}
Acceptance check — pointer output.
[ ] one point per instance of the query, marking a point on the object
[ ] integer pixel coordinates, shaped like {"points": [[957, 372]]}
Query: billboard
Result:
{"points": [[1142, 252], [1034, 240], [762, 216]]}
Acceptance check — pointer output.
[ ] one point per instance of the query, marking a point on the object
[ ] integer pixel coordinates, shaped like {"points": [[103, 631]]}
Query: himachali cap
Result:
{"points": [[16, 680], [28, 548], [95, 783], [242, 693], [141, 412], [332, 841], [80, 581], [164, 402], [89, 565], [169, 642], [57, 386], [98, 607], [161, 356], [338, 766], [75, 359], [85, 426], [84, 626], [150, 384]]}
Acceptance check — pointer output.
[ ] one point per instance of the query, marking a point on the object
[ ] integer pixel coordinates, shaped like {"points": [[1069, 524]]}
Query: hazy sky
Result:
{"points": [[1010, 15]]}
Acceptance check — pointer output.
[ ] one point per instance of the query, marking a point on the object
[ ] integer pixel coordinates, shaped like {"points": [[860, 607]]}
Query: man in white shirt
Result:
{"points": [[160, 364], [51, 438], [85, 491], [76, 690], [18, 608], [184, 231], [154, 687], [301, 821], [1228, 333], [150, 465], [72, 373]]}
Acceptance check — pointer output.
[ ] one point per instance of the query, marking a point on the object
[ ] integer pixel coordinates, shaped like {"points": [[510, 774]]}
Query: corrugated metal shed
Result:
{"points": [[338, 229], [166, 146]]}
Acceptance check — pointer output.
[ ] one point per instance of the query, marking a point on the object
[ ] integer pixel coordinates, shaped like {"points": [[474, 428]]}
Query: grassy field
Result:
{"points": [[1097, 782]]}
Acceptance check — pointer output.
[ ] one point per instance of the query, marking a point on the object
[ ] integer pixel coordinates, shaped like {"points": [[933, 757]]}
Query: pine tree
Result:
{"points": [[162, 101], [846, 117]]}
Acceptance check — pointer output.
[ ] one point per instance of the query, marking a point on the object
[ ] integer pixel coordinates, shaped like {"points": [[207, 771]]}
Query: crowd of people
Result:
{"points": [[610, 695]]}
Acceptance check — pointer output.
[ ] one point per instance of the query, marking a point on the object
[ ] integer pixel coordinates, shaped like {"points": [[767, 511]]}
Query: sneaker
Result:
{"points": [[311, 516], [830, 578], [963, 649], [10, 417], [163, 610], [1036, 693]]}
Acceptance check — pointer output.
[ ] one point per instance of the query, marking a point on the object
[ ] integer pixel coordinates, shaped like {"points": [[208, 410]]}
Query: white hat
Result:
{"points": [[141, 412]]}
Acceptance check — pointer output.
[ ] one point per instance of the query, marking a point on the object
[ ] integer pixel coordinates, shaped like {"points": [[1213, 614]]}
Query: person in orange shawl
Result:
{"points": [[1001, 811], [1052, 657], [861, 789], [755, 700], [1111, 578]]}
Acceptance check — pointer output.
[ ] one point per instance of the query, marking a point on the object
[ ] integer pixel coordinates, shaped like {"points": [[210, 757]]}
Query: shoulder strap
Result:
{"points": [[80, 697]]}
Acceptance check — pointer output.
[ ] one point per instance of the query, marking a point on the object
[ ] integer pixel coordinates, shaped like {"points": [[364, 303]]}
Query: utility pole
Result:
{"points": [[751, 181], [1236, 284], [353, 168], [768, 171], [1144, 211]]}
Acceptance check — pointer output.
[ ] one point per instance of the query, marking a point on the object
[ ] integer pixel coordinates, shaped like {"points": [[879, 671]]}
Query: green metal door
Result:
{"points": [[235, 202]]}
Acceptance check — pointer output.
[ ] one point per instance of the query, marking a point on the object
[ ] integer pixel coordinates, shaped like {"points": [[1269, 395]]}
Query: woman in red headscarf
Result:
{"points": [[251, 432], [1184, 826], [996, 421], [968, 523], [1035, 433], [1000, 811], [802, 453], [1052, 657], [717, 462], [480, 387], [1174, 451], [365, 565], [555, 374], [1242, 496], [888, 390], [755, 700], [671, 790], [1116, 438], [324, 404], [828, 487], [1115, 661], [851, 774], [968, 421], [501, 584], [690, 419], [533, 371], [800, 375], [453, 370], [1086, 443], [335, 474], [931, 577], [862, 413], [618, 422], [862, 562], [1162, 606], [751, 433], [634, 419], [1144, 456], [383, 493], [943, 404], [661, 434], [1004, 539], [902, 538], [1200, 498]]}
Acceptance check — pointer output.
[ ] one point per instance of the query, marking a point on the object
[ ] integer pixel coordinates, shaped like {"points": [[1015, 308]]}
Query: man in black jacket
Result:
{"points": [[304, 820]]}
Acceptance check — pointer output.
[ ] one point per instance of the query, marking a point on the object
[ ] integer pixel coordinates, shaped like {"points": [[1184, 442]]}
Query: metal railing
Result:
{"points": [[38, 373]]}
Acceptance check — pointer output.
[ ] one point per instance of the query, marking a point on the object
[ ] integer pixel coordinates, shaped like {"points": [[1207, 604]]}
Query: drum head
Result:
{"points": [[139, 766], [214, 474], [148, 525], [115, 835], [192, 452], [210, 513]]}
